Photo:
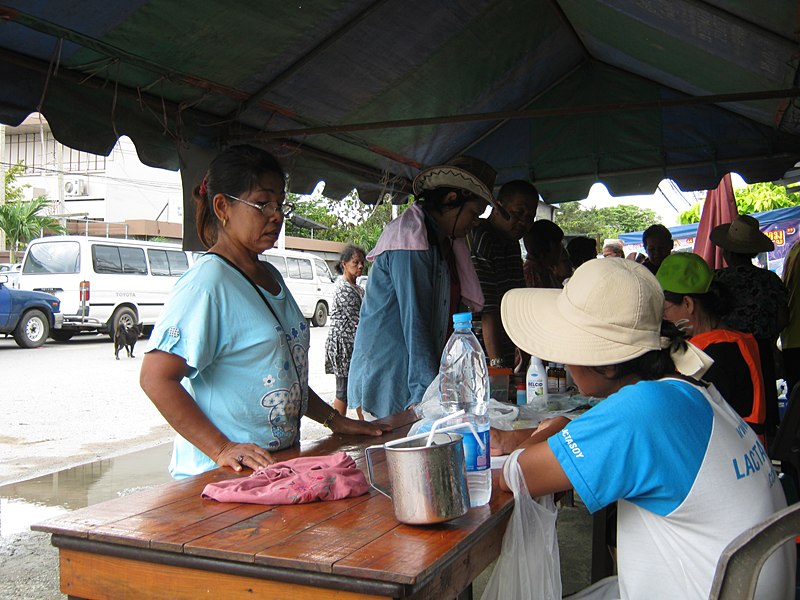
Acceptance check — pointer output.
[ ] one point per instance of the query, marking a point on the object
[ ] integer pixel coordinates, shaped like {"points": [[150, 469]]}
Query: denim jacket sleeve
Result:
{"points": [[422, 286]]}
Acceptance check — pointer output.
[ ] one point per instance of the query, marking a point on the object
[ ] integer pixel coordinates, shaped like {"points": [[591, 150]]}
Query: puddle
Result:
{"points": [[34, 500]]}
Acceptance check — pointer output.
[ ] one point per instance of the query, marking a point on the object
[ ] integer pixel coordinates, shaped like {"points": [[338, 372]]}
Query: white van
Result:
{"points": [[309, 280], [102, 282]]}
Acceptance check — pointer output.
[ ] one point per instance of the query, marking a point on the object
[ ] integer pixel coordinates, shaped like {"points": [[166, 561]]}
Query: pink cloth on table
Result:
{"points": [[407, 232], [295, 481]]}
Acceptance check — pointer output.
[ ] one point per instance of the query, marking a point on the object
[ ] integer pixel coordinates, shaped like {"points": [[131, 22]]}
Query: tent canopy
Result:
{"points": [[364, 93]]}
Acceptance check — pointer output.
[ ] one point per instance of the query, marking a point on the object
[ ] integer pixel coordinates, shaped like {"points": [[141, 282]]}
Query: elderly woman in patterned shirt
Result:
{"points": [[346, 310]]}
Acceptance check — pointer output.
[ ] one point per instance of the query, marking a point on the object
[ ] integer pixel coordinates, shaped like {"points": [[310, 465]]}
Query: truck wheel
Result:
{"points": [[320, 315], [60, 335], [32, 329], [121, 315]]}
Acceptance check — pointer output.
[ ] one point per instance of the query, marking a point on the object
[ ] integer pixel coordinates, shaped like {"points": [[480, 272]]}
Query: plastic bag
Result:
{"points": [[529, 567], [502, 415], [430, 407]]}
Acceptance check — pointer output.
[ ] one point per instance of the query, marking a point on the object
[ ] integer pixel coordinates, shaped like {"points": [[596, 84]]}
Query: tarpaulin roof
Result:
{"points": [[363, 93]]}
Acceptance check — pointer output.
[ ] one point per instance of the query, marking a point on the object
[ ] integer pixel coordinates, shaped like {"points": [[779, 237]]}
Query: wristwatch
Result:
{"points": [[328, 422]]}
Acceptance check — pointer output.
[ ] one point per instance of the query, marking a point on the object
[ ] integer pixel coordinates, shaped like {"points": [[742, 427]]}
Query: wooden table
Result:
{"points": [[167, 542]]}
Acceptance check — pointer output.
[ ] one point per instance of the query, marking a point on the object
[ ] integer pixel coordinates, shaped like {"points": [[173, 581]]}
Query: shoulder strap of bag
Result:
{"points": [[267, 303]]}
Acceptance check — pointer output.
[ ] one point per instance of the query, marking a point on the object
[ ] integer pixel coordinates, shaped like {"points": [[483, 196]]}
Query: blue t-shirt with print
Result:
{"points": [[240, 357], [624, 446]]}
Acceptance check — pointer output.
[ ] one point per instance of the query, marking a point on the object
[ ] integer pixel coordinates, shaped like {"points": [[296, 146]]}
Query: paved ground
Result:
{"points": [[73, 403]]}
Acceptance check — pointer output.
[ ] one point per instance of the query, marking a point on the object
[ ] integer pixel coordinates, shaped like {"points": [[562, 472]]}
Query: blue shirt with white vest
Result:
{"points": [[689, 476]]}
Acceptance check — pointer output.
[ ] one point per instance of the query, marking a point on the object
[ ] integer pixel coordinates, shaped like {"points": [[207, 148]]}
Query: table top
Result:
{"points": [[356, 539]]}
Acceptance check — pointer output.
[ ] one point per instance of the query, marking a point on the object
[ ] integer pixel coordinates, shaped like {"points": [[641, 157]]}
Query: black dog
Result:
{"points": [[125, 337]]}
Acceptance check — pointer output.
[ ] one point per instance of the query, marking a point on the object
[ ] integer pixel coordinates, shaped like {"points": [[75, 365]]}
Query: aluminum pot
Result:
{"points": [[428, 483]]}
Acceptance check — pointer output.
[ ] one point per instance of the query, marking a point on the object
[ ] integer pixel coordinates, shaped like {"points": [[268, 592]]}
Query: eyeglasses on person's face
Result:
{"points": [[268, 208]]}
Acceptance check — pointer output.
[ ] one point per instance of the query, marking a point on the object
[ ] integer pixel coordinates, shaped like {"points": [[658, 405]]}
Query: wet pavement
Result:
{"points": [[28, 562], [34, 500]]}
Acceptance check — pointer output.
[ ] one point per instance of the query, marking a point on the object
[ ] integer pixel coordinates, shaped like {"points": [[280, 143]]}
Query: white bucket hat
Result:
{"points": [[608, 313]]}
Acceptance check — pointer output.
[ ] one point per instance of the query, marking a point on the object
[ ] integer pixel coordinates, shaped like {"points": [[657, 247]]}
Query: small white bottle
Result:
{"points": [[536, 384]]}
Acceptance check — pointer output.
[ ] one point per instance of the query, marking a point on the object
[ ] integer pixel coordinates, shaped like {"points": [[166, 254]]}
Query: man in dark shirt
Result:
{"points": [[658, 244], [497, 256]]}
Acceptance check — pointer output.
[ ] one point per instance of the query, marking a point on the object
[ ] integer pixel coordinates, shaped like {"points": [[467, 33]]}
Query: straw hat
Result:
{"points": [[742, 236], [609, 312], [463, 172]]}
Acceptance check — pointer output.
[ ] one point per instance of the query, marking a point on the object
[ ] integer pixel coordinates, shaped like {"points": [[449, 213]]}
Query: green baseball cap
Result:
{"points": [[685, 273]]}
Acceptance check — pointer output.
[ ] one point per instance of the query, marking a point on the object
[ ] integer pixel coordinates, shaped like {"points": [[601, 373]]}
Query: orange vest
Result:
{"points": [[748, 347]]}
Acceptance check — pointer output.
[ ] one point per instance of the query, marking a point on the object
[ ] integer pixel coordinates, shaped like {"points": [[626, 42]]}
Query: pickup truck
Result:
{"points": [[29, 316]]}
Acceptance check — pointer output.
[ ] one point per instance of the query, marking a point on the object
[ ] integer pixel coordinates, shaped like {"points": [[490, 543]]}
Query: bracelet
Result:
{"points": [[329, 419], [497, 362]]}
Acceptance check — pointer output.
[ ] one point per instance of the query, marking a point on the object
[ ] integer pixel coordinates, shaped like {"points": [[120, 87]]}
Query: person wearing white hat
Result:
{"points": [[759, 300], [421, 274], [687, 474]]}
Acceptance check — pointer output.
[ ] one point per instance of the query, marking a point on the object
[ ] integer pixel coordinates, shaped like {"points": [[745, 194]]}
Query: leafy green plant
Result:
{"points": [[755, 198], [347, 220], [22, 220], [603, 223]]}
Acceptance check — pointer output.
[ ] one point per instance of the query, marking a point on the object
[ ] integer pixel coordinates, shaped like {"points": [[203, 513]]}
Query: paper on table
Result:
{"points": [[499, 461]]}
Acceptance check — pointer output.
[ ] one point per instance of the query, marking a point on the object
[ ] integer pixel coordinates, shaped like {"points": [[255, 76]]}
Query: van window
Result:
{"points": [[278, 262], [323, 273], [293, 267], [305, 268], [53, 257], [299, 268], [118, 260], [167, 262]]}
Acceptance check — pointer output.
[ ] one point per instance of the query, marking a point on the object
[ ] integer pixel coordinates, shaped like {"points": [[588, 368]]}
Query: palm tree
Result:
{"points": [[21, 222]]}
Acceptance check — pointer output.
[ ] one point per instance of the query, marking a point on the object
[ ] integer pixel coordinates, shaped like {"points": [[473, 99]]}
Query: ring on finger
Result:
{"points": [[239, 459]]}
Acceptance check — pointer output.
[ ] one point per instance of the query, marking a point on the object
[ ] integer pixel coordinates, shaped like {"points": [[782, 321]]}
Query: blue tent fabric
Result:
{"points": [[782, 225], [681, 232]]}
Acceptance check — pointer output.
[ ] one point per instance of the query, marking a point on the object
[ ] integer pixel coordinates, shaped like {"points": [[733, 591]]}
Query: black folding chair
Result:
{"points": [[786, 446]]}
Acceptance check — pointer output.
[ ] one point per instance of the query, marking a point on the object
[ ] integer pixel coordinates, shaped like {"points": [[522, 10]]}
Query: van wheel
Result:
{"points": [[121, 315], [320, 315], [60, 335], [32, 329]]}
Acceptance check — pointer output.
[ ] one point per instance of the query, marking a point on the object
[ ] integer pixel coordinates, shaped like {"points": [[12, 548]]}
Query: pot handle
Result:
{"points": [[368, 454]]}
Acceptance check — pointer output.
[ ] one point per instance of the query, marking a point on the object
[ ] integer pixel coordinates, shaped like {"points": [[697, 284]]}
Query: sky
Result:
{"points": [[668, 201]]}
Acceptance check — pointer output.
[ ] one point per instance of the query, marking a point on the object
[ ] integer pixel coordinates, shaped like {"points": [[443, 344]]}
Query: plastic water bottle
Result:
{"points": [[464, 384], [536, 384]]}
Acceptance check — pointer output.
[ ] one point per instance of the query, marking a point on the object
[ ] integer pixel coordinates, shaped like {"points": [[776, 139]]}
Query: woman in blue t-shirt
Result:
{"points": [[688, 475], [227, 363]]}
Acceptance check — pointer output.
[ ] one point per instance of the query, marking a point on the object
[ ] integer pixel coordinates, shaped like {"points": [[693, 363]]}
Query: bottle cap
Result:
{"points": [[465, 317]]}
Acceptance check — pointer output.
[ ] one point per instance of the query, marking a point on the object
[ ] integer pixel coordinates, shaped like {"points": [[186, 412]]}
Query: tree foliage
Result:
{"points": [[347, 220], [23, 220], [757, 197], [603, 223]]}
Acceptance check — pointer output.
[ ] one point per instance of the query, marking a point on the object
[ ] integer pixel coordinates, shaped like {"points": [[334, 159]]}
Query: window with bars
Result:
{"points": [[28, 149]]}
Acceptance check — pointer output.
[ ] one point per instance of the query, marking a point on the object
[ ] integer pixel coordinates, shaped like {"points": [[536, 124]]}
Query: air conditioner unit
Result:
{"points": [[74, 186]]}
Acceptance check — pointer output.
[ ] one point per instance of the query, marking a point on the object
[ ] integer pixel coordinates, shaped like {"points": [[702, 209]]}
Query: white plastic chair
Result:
{"points": [[741, 561]]}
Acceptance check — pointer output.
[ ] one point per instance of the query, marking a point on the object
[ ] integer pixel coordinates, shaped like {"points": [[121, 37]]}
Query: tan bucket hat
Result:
{"points": [[463, 173], [742, 236], [609, 312]]}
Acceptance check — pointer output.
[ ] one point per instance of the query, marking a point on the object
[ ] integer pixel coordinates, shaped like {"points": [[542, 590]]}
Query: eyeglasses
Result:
{"points": [[268, 208]]}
